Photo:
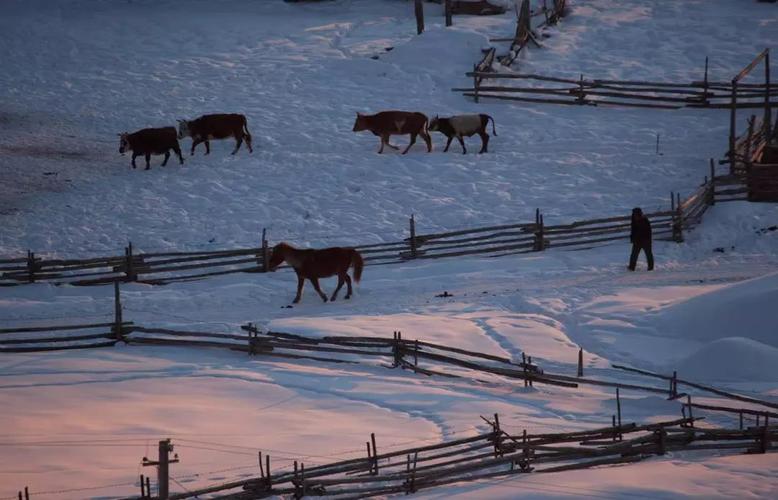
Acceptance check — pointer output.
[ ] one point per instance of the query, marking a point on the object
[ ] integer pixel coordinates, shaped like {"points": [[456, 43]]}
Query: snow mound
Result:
{"points": [[733, 358], [746, 309]]}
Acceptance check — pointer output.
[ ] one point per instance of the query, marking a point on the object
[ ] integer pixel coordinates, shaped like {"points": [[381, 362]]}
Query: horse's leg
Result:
{"points": [[462, 142], [413, 141], [300, 283], [484, 142], [448, 143], [315, 283], [348, 283], [341, 280]]}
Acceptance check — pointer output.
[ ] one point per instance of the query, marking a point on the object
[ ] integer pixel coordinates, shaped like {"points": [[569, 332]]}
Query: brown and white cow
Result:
{"points": [[388, 123], [460, 126], [219, 126], [150, 141]]}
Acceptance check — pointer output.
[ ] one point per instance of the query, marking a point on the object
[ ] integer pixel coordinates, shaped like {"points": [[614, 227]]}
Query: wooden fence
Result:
{"points": [[506, 239], [493, 454], [631, 93]]}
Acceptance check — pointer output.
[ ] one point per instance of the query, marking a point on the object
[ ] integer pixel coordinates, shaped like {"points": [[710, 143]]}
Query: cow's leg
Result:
{"points": [[448, 143], [384, 140], [300, 283], [238, 142], [315, 283], [148, 161], [348, 284], [427, 139], [484, 141], [195, 142], [413, 141], [207, 147], [462, 142], [177, 151], [134, 155], [247, 138], [167, 157], [341, 280]]}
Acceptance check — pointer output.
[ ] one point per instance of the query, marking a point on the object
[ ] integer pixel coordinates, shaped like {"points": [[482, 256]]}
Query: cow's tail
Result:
{"points": [[358, 264], [493, 131], [246, 128]]}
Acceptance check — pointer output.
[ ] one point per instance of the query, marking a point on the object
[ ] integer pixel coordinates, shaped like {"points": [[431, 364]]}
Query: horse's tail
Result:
{"points": [[359, 264]]}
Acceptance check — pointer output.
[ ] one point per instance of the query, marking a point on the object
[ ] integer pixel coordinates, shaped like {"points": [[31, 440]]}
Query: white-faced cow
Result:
{"points": [[389, 123], [220, 126], [150, 141], [460, 126]]}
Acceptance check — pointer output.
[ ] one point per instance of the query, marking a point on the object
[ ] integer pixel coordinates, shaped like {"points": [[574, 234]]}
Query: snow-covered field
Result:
{"points": [[77, 72]]}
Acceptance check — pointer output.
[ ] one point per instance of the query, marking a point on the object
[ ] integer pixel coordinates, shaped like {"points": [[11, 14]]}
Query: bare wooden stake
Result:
{"points": [[117, 300], [142, 487], [413, 236], [269, 476], [618, 412], [261, 469], [712, 190], [580, 362], [447, 13], [375, 454], [265, 252]]}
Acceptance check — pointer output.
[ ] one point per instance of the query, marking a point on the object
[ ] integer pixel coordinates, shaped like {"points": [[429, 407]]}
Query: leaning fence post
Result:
{"points": [[476, 82]]}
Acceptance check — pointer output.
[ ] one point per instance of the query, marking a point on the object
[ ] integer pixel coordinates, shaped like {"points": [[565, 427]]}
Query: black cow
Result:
{"points": [[150, 141], [460, 126], [220, 126]]}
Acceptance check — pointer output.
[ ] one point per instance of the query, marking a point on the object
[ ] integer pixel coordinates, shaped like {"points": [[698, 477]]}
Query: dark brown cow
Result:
{"points": [[388, 123], [150, 141], [220, 126]]}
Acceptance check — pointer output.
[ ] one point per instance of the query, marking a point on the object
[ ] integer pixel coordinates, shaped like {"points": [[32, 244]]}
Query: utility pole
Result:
{"points": [[163, 468]]}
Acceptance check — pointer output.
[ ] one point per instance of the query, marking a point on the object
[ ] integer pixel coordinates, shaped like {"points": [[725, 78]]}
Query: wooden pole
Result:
{"points": [[269, 476], [449, 20], [163, 469], [375, 454], [413, 236], [580, 362], [117, 302], [419, 11], [767, 111], [749, 139], [130, 273], [142, 487], [476, 82], [26, 493], [732, 126], [265, 256], [30, 267], [712, 196], [705, 84], [618, 411], [148, 487]]}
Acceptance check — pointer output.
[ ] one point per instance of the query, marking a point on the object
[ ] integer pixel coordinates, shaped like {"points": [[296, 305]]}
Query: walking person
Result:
{"points": [[640, 237]]}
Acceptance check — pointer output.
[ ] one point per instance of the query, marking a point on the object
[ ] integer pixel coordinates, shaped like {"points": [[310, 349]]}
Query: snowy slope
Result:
{"points": [[83, 71]]}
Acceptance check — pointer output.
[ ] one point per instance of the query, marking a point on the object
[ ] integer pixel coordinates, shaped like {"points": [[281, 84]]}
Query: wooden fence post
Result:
{"points": [[712, 190], [375, 454], [540, 238], [117, 302], [447, 13], [580, 362], [419, 11], [31, 267], [705, 84], [413, 236], [265, 262], [618, 412], [749, 140], [732, 126], [476, 83], [767, 112], [580, 99], [129, 271]]}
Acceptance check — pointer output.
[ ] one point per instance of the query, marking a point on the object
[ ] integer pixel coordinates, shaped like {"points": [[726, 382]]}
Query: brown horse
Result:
{"points": [[315, 264]]}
